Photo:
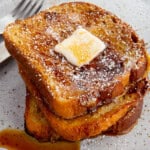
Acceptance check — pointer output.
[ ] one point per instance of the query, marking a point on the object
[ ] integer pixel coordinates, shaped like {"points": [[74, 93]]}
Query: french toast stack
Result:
{"points": [[69, 102]]}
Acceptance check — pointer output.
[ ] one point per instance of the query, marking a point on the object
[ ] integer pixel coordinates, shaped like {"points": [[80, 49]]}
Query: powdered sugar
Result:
{"points": [[54, 34], [86, 83]]}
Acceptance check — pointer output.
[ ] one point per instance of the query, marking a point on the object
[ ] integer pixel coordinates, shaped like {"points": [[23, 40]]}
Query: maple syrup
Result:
{"points": [[13, 139]]}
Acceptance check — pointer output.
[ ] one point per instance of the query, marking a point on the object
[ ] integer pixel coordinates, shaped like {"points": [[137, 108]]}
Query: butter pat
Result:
{"points": [[81, 47]]}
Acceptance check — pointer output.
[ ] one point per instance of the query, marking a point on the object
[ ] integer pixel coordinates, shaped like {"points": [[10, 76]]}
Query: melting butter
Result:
{"points": [[81, 47]]}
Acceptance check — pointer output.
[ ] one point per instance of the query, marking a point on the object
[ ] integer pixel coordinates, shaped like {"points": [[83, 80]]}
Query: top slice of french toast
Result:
{"points": [[70, 91]]}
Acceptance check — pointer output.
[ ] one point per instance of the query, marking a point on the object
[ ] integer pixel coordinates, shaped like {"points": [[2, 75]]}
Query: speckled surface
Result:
{"points": [[12, 89]]}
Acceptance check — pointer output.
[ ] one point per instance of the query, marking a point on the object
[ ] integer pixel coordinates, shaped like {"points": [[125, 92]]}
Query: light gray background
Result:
{"points": [[12, 89]]}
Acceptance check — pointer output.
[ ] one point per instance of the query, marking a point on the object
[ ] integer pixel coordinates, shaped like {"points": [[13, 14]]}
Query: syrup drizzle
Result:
{"points": [[13, 139]]}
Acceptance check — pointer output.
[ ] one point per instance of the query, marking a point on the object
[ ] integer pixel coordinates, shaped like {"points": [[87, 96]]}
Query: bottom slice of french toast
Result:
{"points": [[37, 125]]}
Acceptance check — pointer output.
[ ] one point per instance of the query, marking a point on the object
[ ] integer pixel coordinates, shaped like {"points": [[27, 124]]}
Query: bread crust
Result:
{"points": [[28, 42], [126, 123], [36, 124]]}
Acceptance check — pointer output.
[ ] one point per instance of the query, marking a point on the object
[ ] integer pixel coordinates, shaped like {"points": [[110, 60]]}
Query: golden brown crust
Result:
{"points": [[36, 123], [125, 124], [31, 40]]}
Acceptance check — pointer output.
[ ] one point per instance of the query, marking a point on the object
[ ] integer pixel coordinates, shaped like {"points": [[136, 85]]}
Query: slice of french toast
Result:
{"points": [[32, 42], [37, 125], [91, 124], [112, 117]]}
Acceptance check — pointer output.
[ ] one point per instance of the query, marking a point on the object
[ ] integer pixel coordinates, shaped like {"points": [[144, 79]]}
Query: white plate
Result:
{"points": [[12, 89]]}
